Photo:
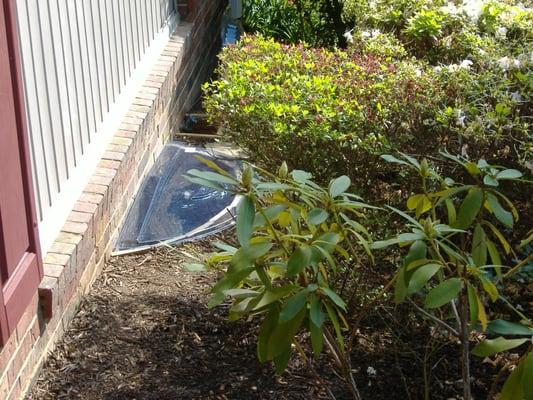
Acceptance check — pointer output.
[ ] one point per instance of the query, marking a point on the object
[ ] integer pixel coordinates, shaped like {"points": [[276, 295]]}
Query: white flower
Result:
{"points": [[375, 32], [450, 8], [418, 72], [501, 32], [515, 96], [371, 371], [472, 8], [348, 36], [507, 63], [466, 64], [459, 117], [366, 34], [437, 69]]}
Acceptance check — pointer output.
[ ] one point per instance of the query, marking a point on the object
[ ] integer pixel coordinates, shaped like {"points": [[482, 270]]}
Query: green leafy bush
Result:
{"points": [[297, 241], [317, 23], [330, 112], [458, 254]]}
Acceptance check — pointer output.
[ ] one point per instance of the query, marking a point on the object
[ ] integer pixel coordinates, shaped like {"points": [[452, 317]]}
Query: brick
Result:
{"points": [[62, 248], [125, 134], [109, 164], [95, 189], [107, 172], [146, 95], [139, 108], [156, 78], [70, 238], [132, 120], [101, 179], [53, 270], [76, 216], [143, 102], [57, 259], [124, 126], [149, 89], [6, 353], [136, 114], [92, 198], [117, 148]]}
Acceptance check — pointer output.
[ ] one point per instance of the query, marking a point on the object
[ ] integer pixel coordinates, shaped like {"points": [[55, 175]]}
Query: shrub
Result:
{"points": [[329, 112], [317, 23], [297, 243], [458, 256]]}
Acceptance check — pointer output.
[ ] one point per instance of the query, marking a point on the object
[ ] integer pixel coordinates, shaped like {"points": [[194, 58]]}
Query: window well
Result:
{"points": [[168, 209]]}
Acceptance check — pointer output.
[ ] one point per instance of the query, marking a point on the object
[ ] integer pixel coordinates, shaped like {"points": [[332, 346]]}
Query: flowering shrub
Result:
{"points": [[326, 111], [479, 54]]}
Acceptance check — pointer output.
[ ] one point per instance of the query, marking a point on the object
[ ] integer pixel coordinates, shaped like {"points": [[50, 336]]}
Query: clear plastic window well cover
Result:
{"points": [[169, 209]]}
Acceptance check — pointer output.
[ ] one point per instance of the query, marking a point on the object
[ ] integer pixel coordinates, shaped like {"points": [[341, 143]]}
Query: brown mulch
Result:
{"points": [[144, 332]]}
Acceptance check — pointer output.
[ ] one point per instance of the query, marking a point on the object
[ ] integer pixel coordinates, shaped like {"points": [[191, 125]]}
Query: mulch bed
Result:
{"points": [[144, 332]]}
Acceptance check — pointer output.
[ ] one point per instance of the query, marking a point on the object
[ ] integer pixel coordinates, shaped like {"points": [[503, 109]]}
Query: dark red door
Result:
{"points": [[20, 261]]}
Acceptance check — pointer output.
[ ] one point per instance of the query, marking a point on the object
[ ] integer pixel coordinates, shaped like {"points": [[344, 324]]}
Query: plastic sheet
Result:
{"points": [[170, 209]]}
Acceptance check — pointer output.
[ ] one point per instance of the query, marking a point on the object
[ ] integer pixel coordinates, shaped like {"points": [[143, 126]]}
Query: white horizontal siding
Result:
{"points": [[79, 59]]}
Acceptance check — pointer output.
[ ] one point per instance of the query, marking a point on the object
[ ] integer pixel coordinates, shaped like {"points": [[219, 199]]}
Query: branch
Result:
{"points": [[434, 319]]}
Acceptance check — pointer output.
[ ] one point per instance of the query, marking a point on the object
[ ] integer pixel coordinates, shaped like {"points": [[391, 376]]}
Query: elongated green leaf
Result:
{"points": [[450, 208], [490, 181], [316, 315], [527, 381], [267, 327], [469, 208], [504, 216], [283, 335], [335, 322], [293, 306], [282, 360], [205, 182], [327, 241], [512, 389], [443, 293], [270, 296], [245, 220], [241, 293], [212, 165], [339, 186], [299, 260], [334, 297], [472, 304], [400, 287], [301, 176], [489, 287], [421, 276], [490, 347], [317, 338], [392, 159], [212, 176], [192, 267], [502, 327], [509, 174], [316, 216], [271, 212], [479, 246], [505, 244], [495, 257]]}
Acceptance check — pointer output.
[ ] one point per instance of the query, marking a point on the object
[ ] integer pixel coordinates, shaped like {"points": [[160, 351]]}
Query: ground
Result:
{"points": [[144, 332]]}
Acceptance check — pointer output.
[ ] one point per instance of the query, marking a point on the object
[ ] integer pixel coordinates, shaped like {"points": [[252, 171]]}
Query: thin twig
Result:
{"points": [[434, 319]]}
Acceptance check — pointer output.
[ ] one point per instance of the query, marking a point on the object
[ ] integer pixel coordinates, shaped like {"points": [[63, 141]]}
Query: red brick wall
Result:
{"points": [[80, 250]]}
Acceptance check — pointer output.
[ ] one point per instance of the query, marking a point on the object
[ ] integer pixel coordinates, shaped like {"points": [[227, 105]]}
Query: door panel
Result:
{"points": [[20, 261]]}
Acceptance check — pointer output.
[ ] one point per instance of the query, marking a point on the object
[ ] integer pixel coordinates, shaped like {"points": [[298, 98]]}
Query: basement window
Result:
{"points": [[168, 209]]}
